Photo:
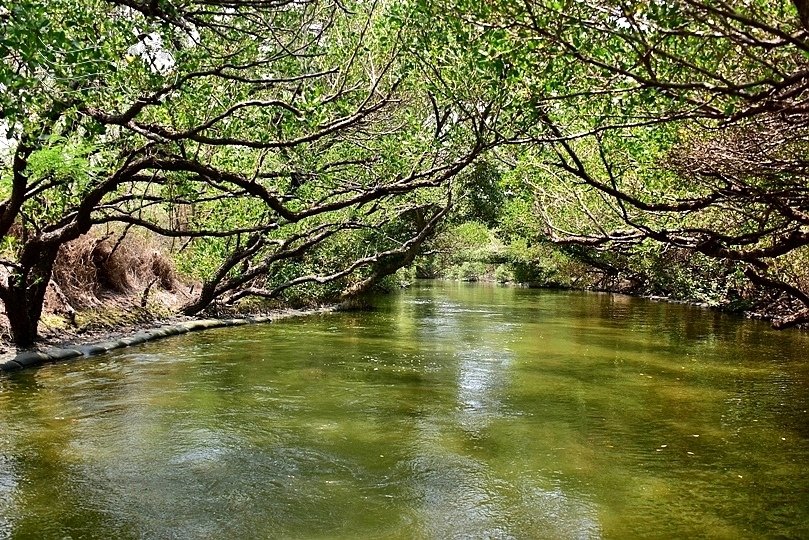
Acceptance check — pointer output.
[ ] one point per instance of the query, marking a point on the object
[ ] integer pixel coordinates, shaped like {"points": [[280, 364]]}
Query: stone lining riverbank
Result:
{"points": [[35, 358]]}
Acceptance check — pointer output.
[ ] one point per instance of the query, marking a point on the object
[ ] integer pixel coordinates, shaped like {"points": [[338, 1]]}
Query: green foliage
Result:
{"points": [[471, 271], [502, 274], [479, 195], [244, 132], [403, 278]]}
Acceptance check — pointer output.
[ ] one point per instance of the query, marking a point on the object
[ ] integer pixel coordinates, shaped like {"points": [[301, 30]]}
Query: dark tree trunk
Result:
{"points": [[803, 12], [25, 293], [206, 296]]}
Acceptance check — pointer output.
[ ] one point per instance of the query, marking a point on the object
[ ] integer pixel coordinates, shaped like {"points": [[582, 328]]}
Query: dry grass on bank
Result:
{"points": [[91, 269], [101, 282]]}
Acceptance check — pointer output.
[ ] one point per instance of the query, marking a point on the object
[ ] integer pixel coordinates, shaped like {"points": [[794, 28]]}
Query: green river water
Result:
{"points": [[451, 411]]}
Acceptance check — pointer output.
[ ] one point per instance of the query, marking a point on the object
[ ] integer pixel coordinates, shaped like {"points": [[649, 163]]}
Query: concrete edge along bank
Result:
{"points": [[31, 359]]}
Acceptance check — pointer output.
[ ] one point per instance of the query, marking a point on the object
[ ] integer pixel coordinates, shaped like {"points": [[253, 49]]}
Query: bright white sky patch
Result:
{"points": [[150, 49]]}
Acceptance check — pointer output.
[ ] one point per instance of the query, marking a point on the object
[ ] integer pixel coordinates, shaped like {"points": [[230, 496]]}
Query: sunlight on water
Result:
{"points": [[452, 411]]}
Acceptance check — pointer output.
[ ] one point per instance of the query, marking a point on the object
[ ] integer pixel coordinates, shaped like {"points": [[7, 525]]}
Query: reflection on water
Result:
{"points": [[453, 411], [8, 485]]}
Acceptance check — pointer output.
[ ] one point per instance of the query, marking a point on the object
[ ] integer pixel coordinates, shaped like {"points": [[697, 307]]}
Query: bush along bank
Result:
{"points": [[473, 251]]}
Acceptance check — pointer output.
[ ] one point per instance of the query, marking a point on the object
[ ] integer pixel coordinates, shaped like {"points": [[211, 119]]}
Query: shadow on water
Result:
{"points": [[451, 410]]}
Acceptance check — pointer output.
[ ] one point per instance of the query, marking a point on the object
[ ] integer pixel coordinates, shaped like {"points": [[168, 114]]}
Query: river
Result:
{"points": [[450, 411]]}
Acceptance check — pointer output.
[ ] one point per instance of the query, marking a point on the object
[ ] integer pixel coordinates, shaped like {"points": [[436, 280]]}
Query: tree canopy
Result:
{"points": [[320, 145], [259, 131], [681, 123]]}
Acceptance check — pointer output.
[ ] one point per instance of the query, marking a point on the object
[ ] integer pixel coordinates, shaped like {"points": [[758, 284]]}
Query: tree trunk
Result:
{"points": [[803, 12], [25, 293], [206, 296]]}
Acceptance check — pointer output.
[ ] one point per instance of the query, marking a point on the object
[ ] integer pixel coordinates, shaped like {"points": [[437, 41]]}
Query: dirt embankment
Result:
{"points": [[110, 292], [104, 284]]}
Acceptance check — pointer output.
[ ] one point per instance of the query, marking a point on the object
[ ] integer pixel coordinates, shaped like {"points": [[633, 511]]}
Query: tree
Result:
{"points": [[682, 123], [259, 132]]}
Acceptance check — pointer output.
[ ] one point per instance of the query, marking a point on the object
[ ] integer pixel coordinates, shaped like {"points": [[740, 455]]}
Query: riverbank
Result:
{"points": [[118, 325], [105, 294], [99, 342], [767, 309]]}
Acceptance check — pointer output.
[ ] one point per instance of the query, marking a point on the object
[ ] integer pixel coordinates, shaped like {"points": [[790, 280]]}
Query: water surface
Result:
{"points": [[452, 411]]}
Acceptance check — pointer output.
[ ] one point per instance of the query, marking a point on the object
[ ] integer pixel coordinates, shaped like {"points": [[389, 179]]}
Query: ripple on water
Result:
{"points": [[450, 412]]}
